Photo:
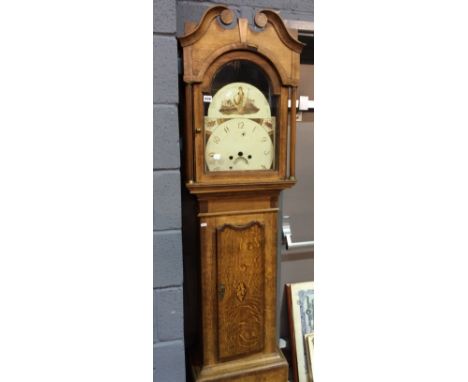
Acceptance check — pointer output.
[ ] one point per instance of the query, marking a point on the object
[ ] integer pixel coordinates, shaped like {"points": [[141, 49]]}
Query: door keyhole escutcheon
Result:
{"points": [[221, 291]]}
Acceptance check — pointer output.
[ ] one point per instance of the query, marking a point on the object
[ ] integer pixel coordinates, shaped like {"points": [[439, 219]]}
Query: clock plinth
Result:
{"points": [[273, 368], [238, 80]]}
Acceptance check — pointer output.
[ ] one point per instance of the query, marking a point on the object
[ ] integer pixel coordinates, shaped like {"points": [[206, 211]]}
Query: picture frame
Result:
{"points": [[301, 322], [309, 342]]}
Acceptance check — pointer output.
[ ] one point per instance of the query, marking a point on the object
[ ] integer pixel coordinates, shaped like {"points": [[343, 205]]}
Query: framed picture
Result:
{"points": [[301, 322], [309, 342]]}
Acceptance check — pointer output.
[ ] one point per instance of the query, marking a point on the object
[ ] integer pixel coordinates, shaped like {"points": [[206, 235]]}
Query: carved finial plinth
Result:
{"points": [[261, 20], [227, 16]]}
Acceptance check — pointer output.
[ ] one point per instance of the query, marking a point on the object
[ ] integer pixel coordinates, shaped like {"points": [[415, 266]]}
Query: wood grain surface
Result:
{"points": [[241, 288]]}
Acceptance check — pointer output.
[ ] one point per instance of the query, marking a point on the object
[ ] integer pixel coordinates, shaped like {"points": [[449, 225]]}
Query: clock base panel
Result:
{"points": [[263, 368]]}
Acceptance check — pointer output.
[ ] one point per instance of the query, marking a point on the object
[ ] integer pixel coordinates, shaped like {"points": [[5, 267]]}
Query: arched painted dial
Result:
{"points": [[239, 144]]}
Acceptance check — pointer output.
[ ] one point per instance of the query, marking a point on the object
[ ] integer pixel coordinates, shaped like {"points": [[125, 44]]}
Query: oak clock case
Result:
{"points": [[238, 79]]}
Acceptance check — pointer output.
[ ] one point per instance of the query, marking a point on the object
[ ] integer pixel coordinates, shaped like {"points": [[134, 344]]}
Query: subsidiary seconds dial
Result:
{"points": [[239, 144]]}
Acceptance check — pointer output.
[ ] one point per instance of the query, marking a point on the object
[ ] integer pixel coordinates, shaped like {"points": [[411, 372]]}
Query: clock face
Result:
{"points": [[239, 144]]}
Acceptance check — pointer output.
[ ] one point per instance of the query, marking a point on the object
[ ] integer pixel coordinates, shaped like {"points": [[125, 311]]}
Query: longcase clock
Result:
{"points": [[239, 148]]}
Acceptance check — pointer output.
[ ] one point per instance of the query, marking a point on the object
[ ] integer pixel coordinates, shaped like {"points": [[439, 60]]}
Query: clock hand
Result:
{"points": [[239, 158]]}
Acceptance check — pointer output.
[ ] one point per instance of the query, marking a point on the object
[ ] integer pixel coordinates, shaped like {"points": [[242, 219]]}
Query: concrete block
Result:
{"points": [[230, 2], [292, 15], [166, 200], [167, 259], [193, 11], [169, 314], [166, 152], [155, 326], [266, 4], [269, 4], [165, 84], [248, 13], [189, 11], [169, 362], [164, 16], [301, 5]]}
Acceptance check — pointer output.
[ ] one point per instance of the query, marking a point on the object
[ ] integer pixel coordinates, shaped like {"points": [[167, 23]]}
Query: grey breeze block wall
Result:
{"points": [[169, 17], [168, 335], [287, 9]]}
